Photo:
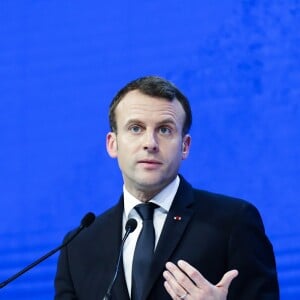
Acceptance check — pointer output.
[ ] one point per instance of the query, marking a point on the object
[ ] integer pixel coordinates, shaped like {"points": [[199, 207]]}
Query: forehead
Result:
{"points": [[140, 106]]}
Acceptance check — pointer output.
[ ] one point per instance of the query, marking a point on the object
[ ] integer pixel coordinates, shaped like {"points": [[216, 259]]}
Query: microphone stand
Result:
{"points": [[86, 221], [130, 227]]}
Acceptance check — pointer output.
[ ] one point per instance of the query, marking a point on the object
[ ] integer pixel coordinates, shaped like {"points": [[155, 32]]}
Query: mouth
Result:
{"points": [[150, 162]]}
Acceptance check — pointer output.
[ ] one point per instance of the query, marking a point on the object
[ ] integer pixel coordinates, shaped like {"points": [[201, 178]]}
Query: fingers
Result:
{"points": [[192, 273], [227, 279], [183, 281], [172, 284], [178, 279], [175, 293]]}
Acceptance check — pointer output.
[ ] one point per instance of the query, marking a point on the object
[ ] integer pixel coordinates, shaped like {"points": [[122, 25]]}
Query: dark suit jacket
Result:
{"points": [[215, 234]]}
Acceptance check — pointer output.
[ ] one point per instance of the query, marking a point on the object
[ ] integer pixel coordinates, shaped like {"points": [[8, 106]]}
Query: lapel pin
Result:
{"points": [[177, 218]]}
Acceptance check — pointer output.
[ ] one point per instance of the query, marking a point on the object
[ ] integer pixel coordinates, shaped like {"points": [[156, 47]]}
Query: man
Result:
{"points": [[206, 246]]}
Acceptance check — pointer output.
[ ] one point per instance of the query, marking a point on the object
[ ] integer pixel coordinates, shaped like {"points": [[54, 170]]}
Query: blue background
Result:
{"points": [[61, 62]]}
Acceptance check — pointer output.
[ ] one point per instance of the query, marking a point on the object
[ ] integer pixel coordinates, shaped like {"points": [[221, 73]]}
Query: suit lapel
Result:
{"points": [[177, 219]]}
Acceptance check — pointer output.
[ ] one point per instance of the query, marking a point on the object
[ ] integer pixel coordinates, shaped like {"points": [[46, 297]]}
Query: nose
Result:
{"points": [[150, 142]]}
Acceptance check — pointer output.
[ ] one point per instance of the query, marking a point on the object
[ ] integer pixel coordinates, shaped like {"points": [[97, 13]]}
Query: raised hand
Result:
{"points": [[183, 281]]}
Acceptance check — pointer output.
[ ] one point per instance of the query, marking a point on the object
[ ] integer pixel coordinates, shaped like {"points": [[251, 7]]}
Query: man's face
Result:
{"points": [[148, 144]]}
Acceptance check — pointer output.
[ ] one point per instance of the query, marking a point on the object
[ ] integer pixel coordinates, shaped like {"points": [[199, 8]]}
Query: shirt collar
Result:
{"points": [[164, 198]]}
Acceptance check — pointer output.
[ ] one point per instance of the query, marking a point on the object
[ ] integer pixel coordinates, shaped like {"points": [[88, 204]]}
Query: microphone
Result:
{"points": [[129, 227], [87, 220]]}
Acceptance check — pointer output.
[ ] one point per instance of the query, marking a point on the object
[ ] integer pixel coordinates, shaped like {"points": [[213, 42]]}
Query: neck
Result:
{"points": [[145, 194]]}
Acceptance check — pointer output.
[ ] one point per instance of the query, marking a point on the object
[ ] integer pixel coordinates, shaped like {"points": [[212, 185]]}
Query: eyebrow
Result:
{"points": [[137, 121], [133, 121]]}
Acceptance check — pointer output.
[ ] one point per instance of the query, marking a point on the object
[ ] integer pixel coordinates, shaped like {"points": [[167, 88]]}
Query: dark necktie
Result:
{"points": [[143, 250]]}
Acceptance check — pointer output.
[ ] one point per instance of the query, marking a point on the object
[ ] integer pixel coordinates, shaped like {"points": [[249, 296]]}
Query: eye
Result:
{"points": [[165, 130], [135, 129]]}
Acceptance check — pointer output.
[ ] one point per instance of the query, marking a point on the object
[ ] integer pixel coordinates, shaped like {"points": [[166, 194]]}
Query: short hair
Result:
{"points": [[153, 86]]}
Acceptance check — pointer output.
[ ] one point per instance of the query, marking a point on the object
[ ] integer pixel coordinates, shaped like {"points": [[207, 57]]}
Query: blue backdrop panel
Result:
{"points": [[61, 62]]}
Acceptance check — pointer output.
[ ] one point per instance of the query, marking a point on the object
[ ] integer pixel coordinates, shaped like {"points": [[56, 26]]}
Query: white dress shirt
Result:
{"points": [[164, 200]]}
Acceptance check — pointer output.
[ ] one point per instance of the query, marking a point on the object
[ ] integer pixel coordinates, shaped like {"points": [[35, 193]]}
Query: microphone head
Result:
{"points": [[88, 219], [131, 225]]}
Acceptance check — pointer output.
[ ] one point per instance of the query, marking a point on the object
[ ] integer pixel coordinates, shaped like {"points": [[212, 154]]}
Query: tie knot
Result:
{"points": [[146, 210]]}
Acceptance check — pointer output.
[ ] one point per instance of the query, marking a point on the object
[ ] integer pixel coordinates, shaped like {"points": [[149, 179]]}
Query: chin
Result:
{"points": [[151, 184]]}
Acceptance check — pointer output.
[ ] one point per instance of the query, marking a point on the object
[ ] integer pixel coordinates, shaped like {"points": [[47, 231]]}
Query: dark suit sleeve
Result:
{"points": [[251, 253], [64, 289]]}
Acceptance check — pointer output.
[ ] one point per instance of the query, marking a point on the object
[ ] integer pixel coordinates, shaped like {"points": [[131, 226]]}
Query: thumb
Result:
{"points": [[227, 279]]}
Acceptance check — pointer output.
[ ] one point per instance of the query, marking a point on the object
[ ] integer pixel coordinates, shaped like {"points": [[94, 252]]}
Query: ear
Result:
{"points": [[186, 144], [111, 144]]}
